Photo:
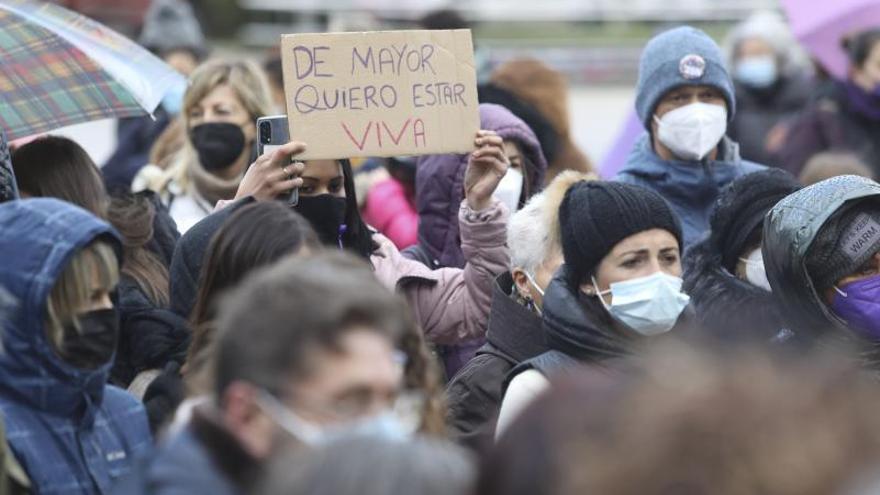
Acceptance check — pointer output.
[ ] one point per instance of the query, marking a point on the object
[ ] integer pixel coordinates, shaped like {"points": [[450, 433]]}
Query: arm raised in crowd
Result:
{"points": [[456, 306]]}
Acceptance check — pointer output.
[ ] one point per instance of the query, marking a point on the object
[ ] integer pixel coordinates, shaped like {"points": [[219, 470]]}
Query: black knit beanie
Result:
{"points": [[739, 212], [594, 216], [846, 241]]}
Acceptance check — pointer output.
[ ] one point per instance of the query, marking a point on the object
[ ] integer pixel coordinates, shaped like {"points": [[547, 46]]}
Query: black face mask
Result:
{"points": [[326, 213], [217, 144], [93, 345]]}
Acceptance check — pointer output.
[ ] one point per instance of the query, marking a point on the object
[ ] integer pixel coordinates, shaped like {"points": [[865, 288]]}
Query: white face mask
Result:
{"points": [[755, 273], [648, 305], [692, 131], [534, 284], [385, 424], [510, 189], [539, 310]]}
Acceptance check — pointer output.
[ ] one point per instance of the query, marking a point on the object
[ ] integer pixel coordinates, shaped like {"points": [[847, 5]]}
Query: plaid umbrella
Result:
{"points": [[61, 68]]}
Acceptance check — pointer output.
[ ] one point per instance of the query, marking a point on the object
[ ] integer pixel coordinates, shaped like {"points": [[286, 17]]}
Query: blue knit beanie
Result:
{"points": [[683, 56]]}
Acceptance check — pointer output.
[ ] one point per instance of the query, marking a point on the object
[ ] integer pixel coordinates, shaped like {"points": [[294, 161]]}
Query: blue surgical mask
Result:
{"points": [[648, 305], [172, 102], [757, 72], [385, 425], [305, 431]]}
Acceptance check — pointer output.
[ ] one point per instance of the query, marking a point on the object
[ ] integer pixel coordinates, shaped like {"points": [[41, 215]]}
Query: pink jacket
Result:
{"points": [[389, 211], [451, 304]]}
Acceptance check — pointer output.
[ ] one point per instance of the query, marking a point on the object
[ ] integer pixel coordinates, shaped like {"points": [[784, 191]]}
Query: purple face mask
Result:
{"points": [[858, 304]]}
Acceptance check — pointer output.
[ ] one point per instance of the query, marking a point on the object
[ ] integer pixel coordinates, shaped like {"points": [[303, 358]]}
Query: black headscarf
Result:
{"points": [[357, 237]]}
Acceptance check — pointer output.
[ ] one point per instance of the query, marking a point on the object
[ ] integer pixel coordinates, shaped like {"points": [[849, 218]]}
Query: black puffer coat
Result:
{"points": [[726, 307], [474, 394], [758, 111], [150, 336], [186, 263]]}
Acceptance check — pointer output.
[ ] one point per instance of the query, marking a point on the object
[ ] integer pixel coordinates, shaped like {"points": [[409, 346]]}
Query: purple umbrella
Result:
{"points": [[615, 159], [820, 27]]}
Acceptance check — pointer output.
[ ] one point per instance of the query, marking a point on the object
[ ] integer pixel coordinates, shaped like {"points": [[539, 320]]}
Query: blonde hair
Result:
{"points": [[95, 267], [246, 79]]}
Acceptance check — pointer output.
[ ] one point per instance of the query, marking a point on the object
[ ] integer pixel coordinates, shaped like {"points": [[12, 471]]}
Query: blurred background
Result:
{"points": [[594, 43]]}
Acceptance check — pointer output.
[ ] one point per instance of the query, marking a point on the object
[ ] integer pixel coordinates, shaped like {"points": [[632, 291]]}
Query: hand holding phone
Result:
{"points": [[273, 173], [273, 132]]}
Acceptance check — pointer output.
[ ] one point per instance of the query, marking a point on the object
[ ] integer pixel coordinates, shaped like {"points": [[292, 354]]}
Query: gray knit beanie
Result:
{"points": [[171, 25], [683, 56], [846, 241]]}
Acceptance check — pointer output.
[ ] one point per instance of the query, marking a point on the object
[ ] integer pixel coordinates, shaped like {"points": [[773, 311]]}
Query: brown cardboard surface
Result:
{"points": [[383, 93]]}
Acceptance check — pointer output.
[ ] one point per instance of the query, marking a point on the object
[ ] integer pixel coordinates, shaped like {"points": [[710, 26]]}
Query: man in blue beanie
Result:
{"points": [[685, 99]]}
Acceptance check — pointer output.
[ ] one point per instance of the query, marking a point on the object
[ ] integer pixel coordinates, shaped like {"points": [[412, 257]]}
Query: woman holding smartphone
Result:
{"points": [[451, 304], [219, 109]]}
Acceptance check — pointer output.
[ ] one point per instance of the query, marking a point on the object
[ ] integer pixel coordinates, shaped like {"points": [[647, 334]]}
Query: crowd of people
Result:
{"points": [[502, 321]]}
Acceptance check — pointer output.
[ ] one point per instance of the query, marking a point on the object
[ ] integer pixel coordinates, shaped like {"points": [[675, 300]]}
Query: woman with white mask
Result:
{"points": [[619, 286], [685, 99], [724, 273], [440, 189]]}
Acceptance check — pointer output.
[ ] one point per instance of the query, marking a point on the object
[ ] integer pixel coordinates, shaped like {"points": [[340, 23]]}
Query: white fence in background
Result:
{"points": [[531, 10]]}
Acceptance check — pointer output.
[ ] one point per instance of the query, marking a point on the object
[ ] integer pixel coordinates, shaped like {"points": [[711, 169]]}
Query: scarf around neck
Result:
{"points": [[210, 187]]}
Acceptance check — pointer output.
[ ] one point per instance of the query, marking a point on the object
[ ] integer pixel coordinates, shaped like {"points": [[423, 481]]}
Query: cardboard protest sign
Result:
{"points": [[385, 93]]}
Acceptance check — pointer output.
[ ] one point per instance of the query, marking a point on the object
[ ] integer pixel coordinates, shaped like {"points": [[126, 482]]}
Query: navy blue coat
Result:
{"points": [[71, 432], [135, 138]]}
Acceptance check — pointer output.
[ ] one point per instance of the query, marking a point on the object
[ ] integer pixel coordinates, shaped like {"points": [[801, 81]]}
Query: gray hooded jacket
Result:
{"points": [[789, 231]]}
